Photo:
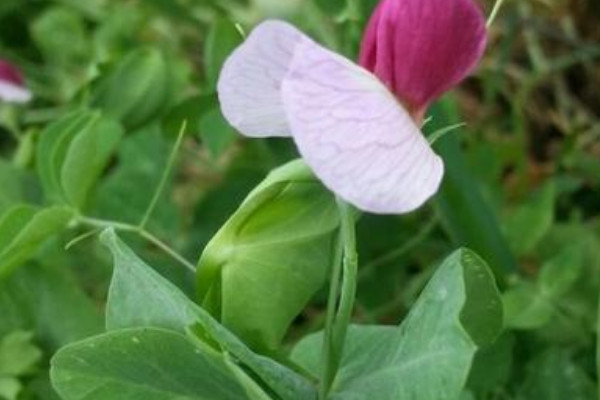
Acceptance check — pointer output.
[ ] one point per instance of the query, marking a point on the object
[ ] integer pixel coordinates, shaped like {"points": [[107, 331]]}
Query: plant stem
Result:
{"points": [[120, 226], [328, 353], [337, 327], [165, 176], [494, 13]]}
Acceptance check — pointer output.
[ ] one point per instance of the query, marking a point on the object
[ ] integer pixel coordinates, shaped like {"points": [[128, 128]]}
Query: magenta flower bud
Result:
{"points": [[12, 88], [421, 48]]}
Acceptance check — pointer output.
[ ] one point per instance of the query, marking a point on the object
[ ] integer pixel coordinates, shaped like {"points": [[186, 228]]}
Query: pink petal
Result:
{"points": [[422, 48], [11, 85], [250, 81], [355, 136]]}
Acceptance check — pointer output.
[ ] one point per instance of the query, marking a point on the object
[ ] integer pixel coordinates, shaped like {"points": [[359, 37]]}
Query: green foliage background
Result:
{"points": [[113, 82]]}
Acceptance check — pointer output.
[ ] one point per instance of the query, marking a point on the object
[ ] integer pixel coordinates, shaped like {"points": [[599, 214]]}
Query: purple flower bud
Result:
{"points": [[421, 48], [12, 88]]}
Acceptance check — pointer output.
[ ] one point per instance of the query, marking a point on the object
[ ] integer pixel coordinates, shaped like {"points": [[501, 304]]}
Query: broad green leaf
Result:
{"points": [[429, 356], [467, 217], [553, 375], [88, 154], [531, 220], [18, 355], [221, 40], [141, 364], [140, 297], [272, 255], [23, 228], [137, 90]]}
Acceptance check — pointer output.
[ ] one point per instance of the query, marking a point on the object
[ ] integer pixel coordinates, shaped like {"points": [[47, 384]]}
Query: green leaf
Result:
{"points": [[140, 297], [215, 132], [18, 355], [221, 40], [141, 364], [15, 185], [531, 305], [553, 375], [73, 152], [526, 307], [267, 261], [50, 302], [23, 228], [492, 367], [55, 27], [10, 388], [88, 154], [429, 356], [559, 274], [125, 193], [138, 89], [52, 149], [467, 217], [531, 220]]}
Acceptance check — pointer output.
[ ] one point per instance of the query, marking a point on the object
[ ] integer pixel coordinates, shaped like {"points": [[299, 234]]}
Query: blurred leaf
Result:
{"points": [[526, 307], [9, 388], [141, 364], [267, 261], [221, 40], [191, 110], [73, 152], [52, 149], [49, 302], [140, 297], [12, 186], [215, 132], [429, 356], [55, 28], [125, 193], [23, 228], [553, 375], [18, 355], [492, 367], [559, 274], [138, 89], [332, 7], [88, 154], [466, 216], [531, 220], [117, 31]]}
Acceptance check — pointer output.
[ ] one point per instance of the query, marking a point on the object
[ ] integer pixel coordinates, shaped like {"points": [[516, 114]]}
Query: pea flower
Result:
{"points": [[12, 89], [357, 127]]}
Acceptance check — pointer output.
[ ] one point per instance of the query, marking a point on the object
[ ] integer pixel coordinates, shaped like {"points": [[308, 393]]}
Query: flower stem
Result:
{"points": [[337, 326], [494, 13], [328, 352], [120, 226]]}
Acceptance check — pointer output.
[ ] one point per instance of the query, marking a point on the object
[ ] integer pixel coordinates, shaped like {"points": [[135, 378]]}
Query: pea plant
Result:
{"points": [[298, 213]]}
